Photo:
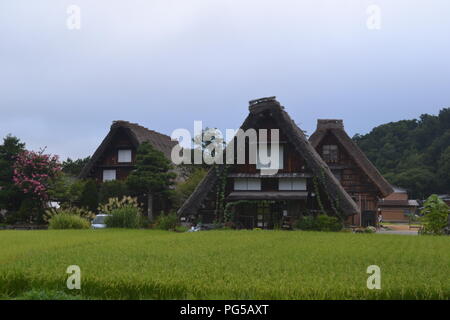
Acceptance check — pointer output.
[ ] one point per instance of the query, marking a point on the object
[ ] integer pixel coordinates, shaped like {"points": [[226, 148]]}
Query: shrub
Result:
{"points": [[167, 221], [328, 223], [124, 217], [435, 214], [68, 221], [115, 203], [80, 212], [320, 223], [181, 229], [306, 223], [370, 229], [11, 217]]}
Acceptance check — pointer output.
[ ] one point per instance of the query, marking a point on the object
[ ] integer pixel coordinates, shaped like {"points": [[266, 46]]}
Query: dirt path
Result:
{"points": [[399, 229], [403, 232]]}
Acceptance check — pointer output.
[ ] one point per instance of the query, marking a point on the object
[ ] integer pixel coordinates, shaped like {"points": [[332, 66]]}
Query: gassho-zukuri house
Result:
{"points": [[115, 158], [303, 184], [359, 177]]}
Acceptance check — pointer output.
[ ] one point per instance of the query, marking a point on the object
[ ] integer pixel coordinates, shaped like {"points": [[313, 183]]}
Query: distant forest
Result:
{"points": [[412, 154]]}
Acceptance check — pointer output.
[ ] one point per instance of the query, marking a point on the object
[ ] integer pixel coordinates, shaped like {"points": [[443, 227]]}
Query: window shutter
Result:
{"points": [[298, 184], [254, 184], [240, 184], [124, 156], [109, 175], [243, 184], [285, 184]]}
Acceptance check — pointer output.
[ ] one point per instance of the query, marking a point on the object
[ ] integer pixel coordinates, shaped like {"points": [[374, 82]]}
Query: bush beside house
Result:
{"points": [[167, 222], [434, 216], [125, 217], [68, 221], [320, 223]]}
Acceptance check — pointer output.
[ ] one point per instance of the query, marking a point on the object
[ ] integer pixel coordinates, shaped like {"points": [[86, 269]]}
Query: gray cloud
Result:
{"points": [[166, 63]]}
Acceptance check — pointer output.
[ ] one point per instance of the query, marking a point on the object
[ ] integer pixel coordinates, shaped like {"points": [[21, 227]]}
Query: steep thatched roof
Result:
{"points": [[138, 135], [336, 128], [298, 139]]}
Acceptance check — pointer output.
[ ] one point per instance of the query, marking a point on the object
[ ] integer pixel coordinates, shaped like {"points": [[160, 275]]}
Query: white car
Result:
{"points": [[99, 221]]}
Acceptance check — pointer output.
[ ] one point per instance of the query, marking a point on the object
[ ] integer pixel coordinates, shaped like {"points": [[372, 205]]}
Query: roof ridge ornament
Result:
{"points": [[262, 104], [330, 124], [262, 100]]}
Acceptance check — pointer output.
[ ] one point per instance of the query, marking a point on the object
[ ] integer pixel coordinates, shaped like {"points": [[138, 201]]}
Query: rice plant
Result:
{"points": [[155, 264]]}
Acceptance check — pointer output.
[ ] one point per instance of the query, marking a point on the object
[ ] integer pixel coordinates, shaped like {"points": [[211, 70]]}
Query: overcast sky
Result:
{"points": [[166, 63]]}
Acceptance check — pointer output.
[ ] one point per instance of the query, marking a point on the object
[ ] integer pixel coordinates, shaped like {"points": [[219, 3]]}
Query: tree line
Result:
{"points": [[412, 154]]}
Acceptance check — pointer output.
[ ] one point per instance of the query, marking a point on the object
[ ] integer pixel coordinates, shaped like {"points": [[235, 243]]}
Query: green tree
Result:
{"points": [[89, 196], [435, 215], [444, 169], [67, 190], [59, 190], [185, 188], [412, 154], [74, 167], [152, 177], [10, 195], [30, 211], [113, 189], [420, 181]]}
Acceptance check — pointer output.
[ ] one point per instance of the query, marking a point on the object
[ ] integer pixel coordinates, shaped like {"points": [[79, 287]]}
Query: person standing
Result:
{"points": [[380, 220]]}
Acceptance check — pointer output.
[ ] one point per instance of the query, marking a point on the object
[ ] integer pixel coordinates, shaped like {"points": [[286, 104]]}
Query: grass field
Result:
{"points": [[148, 264]]}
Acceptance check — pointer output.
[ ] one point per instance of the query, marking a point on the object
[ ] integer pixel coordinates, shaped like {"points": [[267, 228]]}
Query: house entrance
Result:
{"points": [[368, 218], [263, 214]]}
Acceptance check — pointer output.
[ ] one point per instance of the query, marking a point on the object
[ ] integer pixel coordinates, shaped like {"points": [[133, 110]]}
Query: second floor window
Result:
{"points": [[124, 156], [247, 184], [109, 175], [291, 184], [330, 153]]}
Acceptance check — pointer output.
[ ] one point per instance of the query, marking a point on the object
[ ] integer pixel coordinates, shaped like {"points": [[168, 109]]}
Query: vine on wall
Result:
{"points": [[318, 197], [220, 190], [334, 202]]}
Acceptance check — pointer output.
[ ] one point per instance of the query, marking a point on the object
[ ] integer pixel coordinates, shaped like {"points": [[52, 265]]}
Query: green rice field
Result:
{"points": [[150, 264]]}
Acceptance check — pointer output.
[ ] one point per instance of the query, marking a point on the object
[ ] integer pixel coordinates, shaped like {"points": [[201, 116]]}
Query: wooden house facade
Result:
{"points": [[355, 172], [445, 198], [244, 194], [397, 207]]}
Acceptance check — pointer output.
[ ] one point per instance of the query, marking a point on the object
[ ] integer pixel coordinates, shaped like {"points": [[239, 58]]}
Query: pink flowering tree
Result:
{"points": [[34, 173]]}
